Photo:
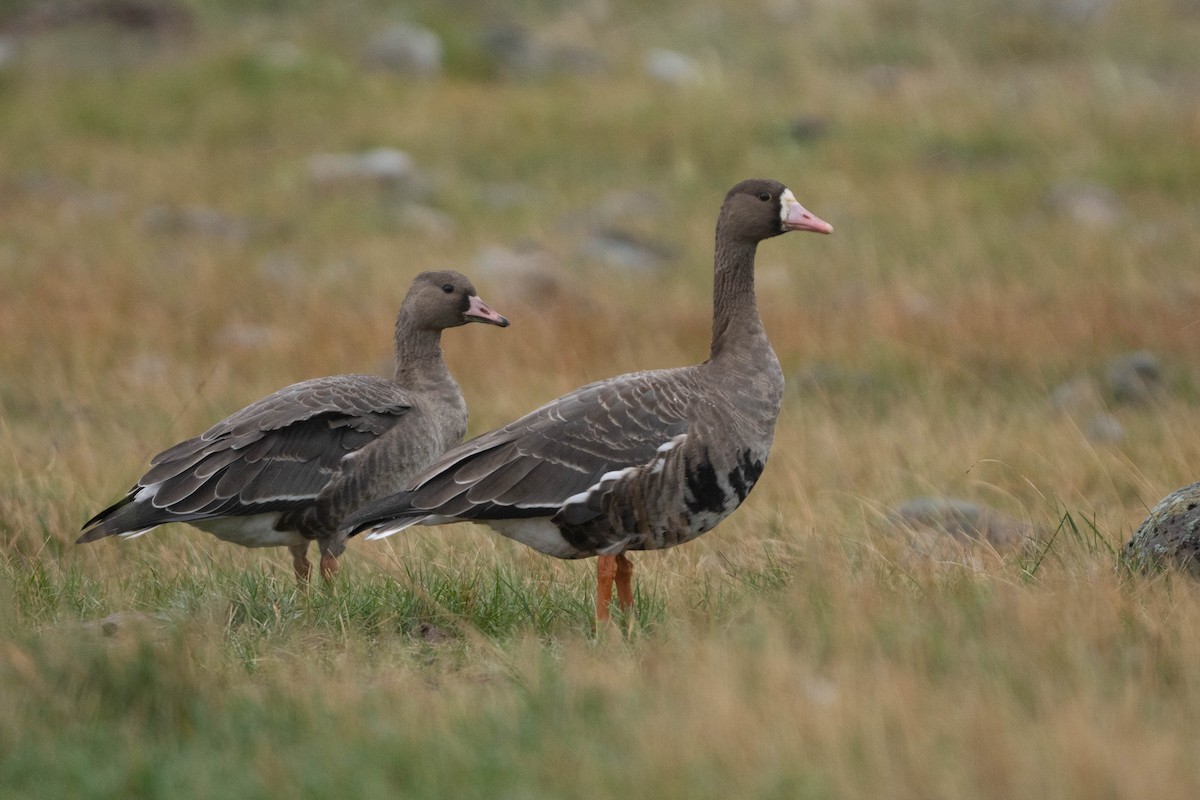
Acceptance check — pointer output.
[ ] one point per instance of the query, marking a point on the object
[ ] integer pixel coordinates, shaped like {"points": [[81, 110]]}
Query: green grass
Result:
{"points": [[802, 650]]}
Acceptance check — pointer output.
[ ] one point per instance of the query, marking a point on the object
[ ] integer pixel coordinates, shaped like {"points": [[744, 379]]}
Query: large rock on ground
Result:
{"points": [[1170, 534]]}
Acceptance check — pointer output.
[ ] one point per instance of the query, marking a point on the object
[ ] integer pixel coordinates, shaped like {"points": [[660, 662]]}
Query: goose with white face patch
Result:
{"points": [[638, 462], [284, 471]]}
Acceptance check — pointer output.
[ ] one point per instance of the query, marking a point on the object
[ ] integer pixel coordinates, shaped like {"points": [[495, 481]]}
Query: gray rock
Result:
{"points": [[248, 336], [527, 273], [1077, 13], [197, 220], [383, 166], [513, 49], [281, 267], [427, 220], [670, 68], [1170, 534], [1081, 393], [883, 78], [808, 128], [1104, 429], [963, 521], [144, 16], [146, 370], [406, 48], [632, 206], [624, 251], [1087, 204], [1135, 378], [282, 55], [502, 195], [431, 633], [8, 52], [126, 622]]}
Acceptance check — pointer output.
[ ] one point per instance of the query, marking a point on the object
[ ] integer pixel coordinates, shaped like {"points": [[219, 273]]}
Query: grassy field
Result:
{"points": [[1016, 193]]}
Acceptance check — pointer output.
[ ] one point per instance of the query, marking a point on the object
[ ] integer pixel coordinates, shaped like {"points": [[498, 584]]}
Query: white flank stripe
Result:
{"points": [[386, 529], [135, 534]]}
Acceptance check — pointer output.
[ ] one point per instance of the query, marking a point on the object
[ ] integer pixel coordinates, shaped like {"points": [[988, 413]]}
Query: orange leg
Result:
{"points": [[625, 582], [300, 562], [606, 572], [329, 566]]}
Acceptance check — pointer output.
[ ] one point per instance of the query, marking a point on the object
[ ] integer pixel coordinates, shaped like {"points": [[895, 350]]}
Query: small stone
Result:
{"points": [[513, 50], [963, 521], [1079, 13], [282, 55], [153, 16], [1080, 393], [807, 128], [1087, 204], [125, 621], [624, 251], [8, 52], [527, 272], [671, 68], [1135, 378], [1104, 429], [1170, 534], [282, 267], [146, 370], [384, 166], [198, 220], [632, 206], [431, 633], [248, 336], [883, 78], [408, 49], [501, 196], [427, 220]]}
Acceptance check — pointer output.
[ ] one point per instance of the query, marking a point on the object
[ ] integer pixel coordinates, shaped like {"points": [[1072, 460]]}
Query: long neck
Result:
{"points": [[418, 354], [735, 311]]}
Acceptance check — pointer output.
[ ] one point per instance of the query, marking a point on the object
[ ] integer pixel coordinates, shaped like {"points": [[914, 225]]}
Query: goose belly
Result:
{"points": [[539, 533], [667, 504], [713, 490], [256, 530]]}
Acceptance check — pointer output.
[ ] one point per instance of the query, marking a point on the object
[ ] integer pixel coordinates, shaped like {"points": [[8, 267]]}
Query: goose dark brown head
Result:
{"points": [[759, 208], [447, 299]]}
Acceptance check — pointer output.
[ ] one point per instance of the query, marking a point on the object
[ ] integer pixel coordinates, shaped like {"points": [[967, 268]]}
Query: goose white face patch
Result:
{"points": [[787, 201]]}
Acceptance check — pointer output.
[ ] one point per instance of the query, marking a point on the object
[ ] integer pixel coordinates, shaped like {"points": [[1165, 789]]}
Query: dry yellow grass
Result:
{"points": [[800, 650]]}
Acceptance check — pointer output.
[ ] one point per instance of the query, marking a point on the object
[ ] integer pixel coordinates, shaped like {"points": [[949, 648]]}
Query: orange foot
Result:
{"points": [[606, 573], [329, 566], [300, 562], [616, 569]]}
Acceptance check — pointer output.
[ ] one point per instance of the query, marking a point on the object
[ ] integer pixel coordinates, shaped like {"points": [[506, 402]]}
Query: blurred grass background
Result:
{"points": [[1016, 192]]}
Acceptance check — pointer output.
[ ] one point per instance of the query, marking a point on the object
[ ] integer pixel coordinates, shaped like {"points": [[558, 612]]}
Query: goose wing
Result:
{"points": [[276, 454]]}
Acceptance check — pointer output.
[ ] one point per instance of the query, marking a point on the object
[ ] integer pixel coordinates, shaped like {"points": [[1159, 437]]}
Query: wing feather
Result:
{"points": [[276, 454], [530, 467]]}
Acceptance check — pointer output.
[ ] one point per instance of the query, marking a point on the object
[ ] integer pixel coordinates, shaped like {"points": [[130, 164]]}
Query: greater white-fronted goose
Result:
{"points": [[638, 462], [286, 469]]}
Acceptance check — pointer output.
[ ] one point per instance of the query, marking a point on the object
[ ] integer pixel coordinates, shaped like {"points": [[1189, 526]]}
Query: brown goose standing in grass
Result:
{"points": [[638, 462], [286, 469]]}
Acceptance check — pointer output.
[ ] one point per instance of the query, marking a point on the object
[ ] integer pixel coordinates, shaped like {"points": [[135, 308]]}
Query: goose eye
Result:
{"points": [[447, 288], [764, 196]]}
